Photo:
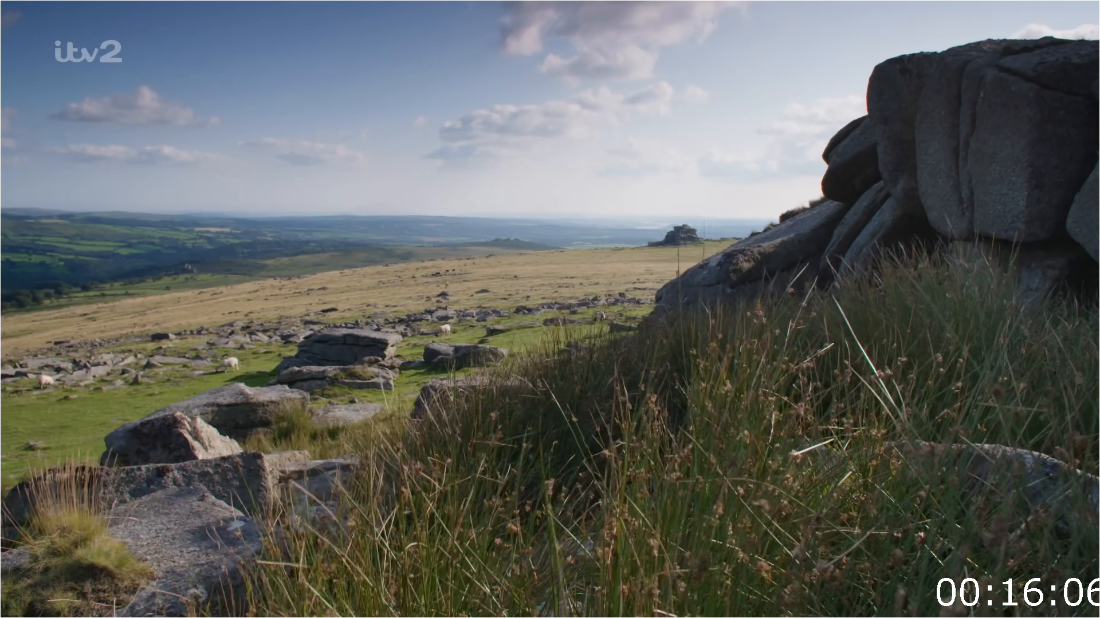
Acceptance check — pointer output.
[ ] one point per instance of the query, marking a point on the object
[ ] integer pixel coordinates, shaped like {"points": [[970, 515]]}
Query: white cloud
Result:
{"points": [[303, 152], [12, 149], [420, 122], [7, 118], [141, 107], [503, 131], [795, 142], [1038, 31], [611, 40], [645, 157], [149, 155], [695, 94]]}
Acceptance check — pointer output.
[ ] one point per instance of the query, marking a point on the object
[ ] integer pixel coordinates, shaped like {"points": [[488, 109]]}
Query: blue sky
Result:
{"points": [[597, 109]]}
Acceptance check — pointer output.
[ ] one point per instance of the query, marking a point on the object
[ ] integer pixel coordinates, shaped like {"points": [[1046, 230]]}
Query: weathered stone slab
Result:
{"points": [[195, 543]]}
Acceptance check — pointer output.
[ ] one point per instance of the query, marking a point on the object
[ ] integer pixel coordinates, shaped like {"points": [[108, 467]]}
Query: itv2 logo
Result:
{"points": [[70, 52]]}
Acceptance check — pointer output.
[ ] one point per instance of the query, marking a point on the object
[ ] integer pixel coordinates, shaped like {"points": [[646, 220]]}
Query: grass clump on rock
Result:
{"points": [[70, 566], [747, 461]]}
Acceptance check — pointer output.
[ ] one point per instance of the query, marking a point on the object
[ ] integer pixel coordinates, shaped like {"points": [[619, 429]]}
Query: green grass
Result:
{"points": [[730, 463], [73, 428]]}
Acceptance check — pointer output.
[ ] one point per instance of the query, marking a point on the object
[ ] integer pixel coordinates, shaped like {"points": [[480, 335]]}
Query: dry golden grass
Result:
{"points": [[512, 279]]}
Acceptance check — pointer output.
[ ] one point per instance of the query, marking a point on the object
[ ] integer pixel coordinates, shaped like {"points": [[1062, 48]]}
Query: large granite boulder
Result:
{"points": [[346, 346], [172, 438], [945, 122], [893, 97], [739, 271], [196, 544], [1083, 220], [852, 156], [849, 229], [234, 410], [1031, 151]]}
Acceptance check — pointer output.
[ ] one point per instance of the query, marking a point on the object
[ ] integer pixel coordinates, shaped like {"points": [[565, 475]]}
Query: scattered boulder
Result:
{"points": [[166, 439], [461, 355], [162, 337], [234, 410], [619, 327]]}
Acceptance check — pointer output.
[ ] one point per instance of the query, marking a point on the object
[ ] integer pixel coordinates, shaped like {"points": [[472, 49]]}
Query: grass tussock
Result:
{"points": [[733, 462], [70, 566]]}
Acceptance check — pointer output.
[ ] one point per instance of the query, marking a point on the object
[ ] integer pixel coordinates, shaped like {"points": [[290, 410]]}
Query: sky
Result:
{"points": [[475, 109]]}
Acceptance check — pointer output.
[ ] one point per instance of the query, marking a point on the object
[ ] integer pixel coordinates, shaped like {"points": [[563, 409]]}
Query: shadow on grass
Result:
{"points": [[253, 378]]}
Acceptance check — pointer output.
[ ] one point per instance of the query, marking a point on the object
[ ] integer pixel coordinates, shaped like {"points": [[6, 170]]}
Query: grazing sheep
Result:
{"points": [[444, 330], [45, 380], [231, 363], [600, 316]]}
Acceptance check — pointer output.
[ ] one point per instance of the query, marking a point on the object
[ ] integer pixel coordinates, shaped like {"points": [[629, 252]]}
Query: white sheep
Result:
{"points": [[444, 330], [45, 380], [231, 363], [600, 316]]}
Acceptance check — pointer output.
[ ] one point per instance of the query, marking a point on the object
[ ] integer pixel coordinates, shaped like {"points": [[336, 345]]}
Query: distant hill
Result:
{"points": [[510, 243]]}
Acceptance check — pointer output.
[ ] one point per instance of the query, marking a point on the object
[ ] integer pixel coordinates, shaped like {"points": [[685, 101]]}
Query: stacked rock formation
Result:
{"points": [[993, 142]]}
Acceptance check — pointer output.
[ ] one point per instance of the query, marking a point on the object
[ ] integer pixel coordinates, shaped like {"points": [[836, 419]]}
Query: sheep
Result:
{"points": [[45, 380], [444, 330], [600, 316], [231, 363]]}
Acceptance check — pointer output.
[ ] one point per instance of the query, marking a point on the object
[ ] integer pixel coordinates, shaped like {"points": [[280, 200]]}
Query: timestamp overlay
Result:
{"points": [[1035, 592]]}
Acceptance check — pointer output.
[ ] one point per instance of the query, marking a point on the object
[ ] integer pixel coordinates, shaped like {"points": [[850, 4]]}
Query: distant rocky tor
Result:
{"points": [[678, 236], [993, 143]]}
